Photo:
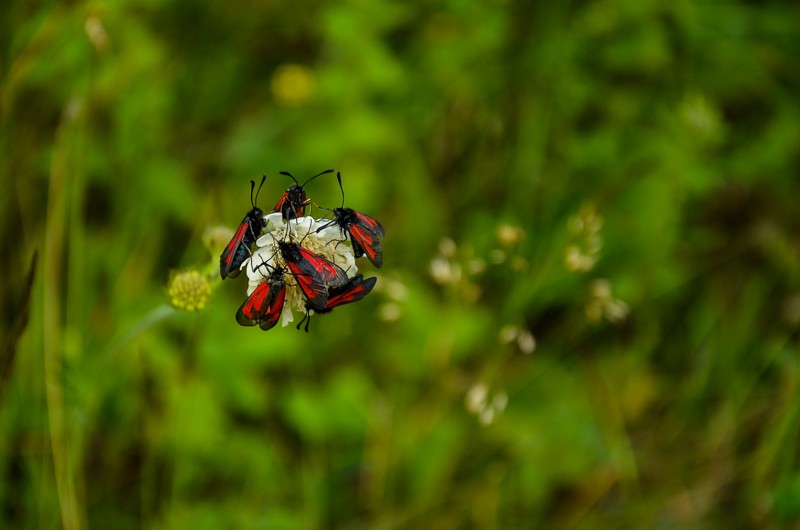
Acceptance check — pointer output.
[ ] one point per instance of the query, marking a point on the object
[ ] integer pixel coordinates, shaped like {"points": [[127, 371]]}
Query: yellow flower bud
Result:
{"points": [[293, 85], [216, 238], [189, 290]]}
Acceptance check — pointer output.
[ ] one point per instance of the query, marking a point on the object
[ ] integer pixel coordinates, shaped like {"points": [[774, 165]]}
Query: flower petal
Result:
{"points": [[286, 316]]}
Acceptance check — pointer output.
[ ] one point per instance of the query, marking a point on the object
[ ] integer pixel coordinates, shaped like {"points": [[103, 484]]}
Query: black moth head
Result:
{"points": [[290, 251], [257, 215], [296, 195], [276, 276], [345, 216]]}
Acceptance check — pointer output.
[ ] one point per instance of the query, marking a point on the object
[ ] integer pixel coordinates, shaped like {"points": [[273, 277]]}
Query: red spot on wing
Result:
{"points": [[363, 239], [329, 272], [370, 223], [226, 259], [310, 283], [273, 312], [298, 210], [264, 305], [249, 312], [261, 299], [369, 243], [281, 201]]}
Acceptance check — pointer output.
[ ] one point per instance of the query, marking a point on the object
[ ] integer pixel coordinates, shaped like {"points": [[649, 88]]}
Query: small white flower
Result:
{"points": [[525, 339], [441, 270], [390, 312], [584, 252], [329, 243], [526, 342], [475, 400], [395, 289], [478, 402], [500, 401], [447, 247], [508, 333], [603, 304]]}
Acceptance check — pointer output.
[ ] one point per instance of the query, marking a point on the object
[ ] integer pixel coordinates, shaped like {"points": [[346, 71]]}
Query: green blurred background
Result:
{"points": [[589, 306]]}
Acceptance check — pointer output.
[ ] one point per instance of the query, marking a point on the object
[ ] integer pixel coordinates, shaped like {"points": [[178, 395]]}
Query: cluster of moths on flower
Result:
{"points": [[317, 235]]}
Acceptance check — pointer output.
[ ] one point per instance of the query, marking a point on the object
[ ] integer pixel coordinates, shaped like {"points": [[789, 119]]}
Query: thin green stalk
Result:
{"points": [[152, 318], [53, 263]]}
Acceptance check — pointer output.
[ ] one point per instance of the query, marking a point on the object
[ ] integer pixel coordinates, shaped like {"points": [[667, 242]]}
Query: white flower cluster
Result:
{"points": [[329, 243]]}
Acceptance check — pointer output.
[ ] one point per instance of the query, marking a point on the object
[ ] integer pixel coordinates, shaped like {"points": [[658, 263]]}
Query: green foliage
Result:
{"points": [[588, 311]]}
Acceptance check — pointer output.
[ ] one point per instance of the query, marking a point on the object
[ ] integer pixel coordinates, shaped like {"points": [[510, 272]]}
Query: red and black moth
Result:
{"points": [[364, 231], [353, 290], [314, 274], [238, 249], [292, 203], [264, 305]]}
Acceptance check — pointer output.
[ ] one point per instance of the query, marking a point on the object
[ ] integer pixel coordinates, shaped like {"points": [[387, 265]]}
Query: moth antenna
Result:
{"points": [[315, 176], [253, 185], [290, 176], [262, 264], [339, 178]]}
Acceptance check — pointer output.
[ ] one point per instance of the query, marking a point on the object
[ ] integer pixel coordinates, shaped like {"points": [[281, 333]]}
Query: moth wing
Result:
{"points": [[369, 223], [227, 268], [354, 290], [264, 305], [273, 313], [331, 274], [309, 281], [369, 243]]}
